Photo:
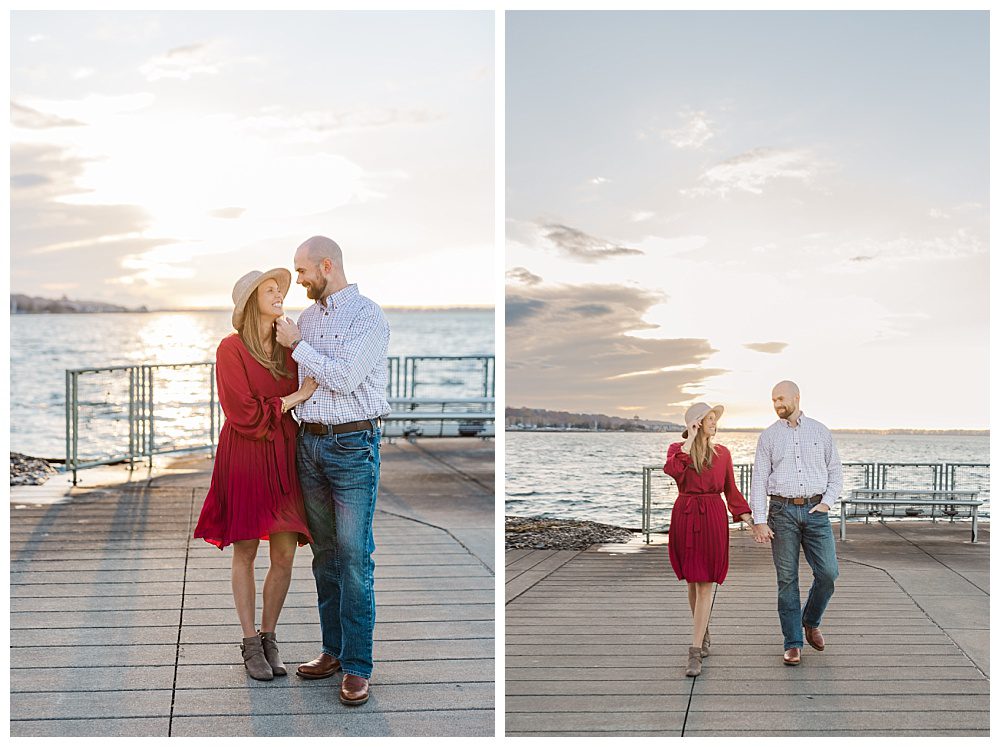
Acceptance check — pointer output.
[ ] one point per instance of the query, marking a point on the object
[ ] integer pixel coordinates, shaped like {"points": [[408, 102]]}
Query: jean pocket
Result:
{"points": [[353, 441]]}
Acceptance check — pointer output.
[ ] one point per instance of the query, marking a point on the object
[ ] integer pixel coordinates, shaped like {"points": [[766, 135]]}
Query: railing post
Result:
{"points": [[76, 423], [131, 419], [69, 427], [152, 427]]}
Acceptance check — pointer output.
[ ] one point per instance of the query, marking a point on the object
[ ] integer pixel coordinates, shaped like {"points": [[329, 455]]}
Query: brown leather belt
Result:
{"points": [[320, 429], [797, 501]]}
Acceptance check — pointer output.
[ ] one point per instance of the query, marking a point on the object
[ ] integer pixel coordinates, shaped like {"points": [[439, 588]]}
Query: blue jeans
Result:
{"points": [[339, 475], [795, 527]]}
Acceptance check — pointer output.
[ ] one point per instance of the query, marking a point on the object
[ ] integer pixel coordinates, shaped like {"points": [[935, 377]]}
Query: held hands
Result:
{"points": [[286, 331], [762, 534]]}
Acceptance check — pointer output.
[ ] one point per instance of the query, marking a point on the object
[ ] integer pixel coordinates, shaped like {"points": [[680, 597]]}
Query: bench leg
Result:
{"points": [[843, 523], [975, 524]]}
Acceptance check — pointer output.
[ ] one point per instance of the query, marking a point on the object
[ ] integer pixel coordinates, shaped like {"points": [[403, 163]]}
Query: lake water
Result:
{"points": [[598, 476], [43, 346]]}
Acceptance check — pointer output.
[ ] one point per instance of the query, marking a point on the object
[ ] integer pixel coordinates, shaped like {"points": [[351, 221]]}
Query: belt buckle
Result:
{"points": [[798, 501]]}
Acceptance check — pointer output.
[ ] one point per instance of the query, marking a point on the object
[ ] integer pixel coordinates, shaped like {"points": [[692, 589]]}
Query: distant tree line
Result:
{"points": [[529, 417], [22, 304]]}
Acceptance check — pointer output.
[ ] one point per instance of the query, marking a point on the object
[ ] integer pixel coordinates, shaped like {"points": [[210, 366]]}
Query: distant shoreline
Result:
{"points": [[847, 431]]}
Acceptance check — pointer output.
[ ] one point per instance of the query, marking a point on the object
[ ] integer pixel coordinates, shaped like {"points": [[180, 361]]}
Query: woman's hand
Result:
{"points": [[692, 434], [305, 391], [308, 388]]}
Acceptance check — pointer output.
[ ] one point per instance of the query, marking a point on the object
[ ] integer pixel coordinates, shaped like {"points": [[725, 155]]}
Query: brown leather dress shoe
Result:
{"points": [[792, 657], [353, 690], [814, 638], [321, 667]]}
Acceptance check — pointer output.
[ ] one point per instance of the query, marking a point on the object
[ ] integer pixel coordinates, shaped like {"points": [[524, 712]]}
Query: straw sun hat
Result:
{"points": [[696, 412], [247, 284]]}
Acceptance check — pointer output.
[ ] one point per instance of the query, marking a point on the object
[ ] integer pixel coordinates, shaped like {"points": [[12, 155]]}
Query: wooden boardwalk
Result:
{"points": [[123, 625], [596, 643]]}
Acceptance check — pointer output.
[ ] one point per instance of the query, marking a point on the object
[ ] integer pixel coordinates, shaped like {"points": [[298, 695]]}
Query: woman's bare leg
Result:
{"points": [[692, 596], [279, 577], [702, 610], [244, 588]]}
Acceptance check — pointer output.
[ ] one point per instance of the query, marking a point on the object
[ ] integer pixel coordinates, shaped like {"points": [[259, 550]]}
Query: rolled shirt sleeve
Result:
{"points": [[835, 472], [758, 483]]}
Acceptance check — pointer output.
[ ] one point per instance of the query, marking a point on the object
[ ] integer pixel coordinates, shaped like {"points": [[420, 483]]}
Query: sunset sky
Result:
{"points": [[702, 204], [157, 157]]}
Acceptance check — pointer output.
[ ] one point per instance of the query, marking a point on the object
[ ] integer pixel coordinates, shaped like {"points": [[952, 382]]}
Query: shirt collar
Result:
{"points": [[341, 297], [802, 416]]}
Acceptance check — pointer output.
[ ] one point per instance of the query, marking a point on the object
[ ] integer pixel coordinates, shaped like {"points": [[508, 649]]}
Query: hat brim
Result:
{"points": [[280, 274], [718, 410]]}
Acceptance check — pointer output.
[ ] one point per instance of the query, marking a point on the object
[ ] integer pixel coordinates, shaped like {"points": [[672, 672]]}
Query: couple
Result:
{"points": [[315, 481], [797, 467]]}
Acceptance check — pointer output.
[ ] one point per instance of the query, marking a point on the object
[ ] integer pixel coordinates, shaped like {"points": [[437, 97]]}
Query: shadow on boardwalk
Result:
{"points": [[596, 642], [123, 625]]}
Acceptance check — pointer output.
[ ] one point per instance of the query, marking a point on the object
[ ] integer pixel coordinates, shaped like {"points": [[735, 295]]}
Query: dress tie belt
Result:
{"points": [[279, 449], [694, 508]]}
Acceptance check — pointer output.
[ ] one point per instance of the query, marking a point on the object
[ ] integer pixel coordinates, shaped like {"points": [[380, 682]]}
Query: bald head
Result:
{"points": [[785, 398], [788, 388], [318, 248], [319, 267]]}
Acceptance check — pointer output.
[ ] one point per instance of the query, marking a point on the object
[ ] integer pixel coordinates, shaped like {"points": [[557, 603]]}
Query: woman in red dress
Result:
{"points": [[255, 490], [699, 524]]}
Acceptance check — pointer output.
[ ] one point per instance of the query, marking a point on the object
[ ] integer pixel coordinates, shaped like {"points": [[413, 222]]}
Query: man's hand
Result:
{"points": [[287, 331], [821, 507], [762, 533]]}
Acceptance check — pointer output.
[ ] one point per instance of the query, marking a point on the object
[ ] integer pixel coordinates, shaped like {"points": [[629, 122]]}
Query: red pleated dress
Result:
{"points": [[699, 521], [255, 483]]}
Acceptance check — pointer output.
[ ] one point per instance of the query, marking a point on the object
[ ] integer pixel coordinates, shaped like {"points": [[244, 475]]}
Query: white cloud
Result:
{"points": [[693, 133], [752, 171], [642, 215], [598, 180], [83, 72], [864, 253], [184, 63]]}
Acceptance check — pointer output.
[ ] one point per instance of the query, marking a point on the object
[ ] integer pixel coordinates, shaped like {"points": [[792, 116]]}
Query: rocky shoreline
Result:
{"points": [[26, 470], [560, 534]]}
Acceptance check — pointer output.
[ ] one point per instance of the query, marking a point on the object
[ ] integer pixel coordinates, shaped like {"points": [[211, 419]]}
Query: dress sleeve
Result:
{"points": [[677, 461], [734, 498], [248, 414]]}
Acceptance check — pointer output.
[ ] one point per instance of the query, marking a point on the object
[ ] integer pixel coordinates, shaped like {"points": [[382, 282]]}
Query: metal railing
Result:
{"points": [[857, 475], [108, 397], [431, 376], [117, 414]]}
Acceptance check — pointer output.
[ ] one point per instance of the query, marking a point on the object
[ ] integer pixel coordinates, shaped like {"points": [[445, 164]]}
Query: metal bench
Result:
{"points": [[911, 503], [474, 416]]}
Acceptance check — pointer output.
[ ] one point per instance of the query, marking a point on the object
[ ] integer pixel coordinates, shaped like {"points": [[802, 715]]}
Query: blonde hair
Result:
{"points": [[702, 451], [250, 334]]}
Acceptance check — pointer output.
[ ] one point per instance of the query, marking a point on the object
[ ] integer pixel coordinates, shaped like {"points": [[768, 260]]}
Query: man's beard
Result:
{"points": [[313, 292]]}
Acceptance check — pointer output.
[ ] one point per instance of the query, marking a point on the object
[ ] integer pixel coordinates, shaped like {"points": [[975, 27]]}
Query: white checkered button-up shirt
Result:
{"points": [[795, 462], [344, 347]]}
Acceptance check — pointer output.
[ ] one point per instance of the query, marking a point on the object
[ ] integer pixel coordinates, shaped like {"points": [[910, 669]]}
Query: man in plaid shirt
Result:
{"points": [[341, 341]]}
